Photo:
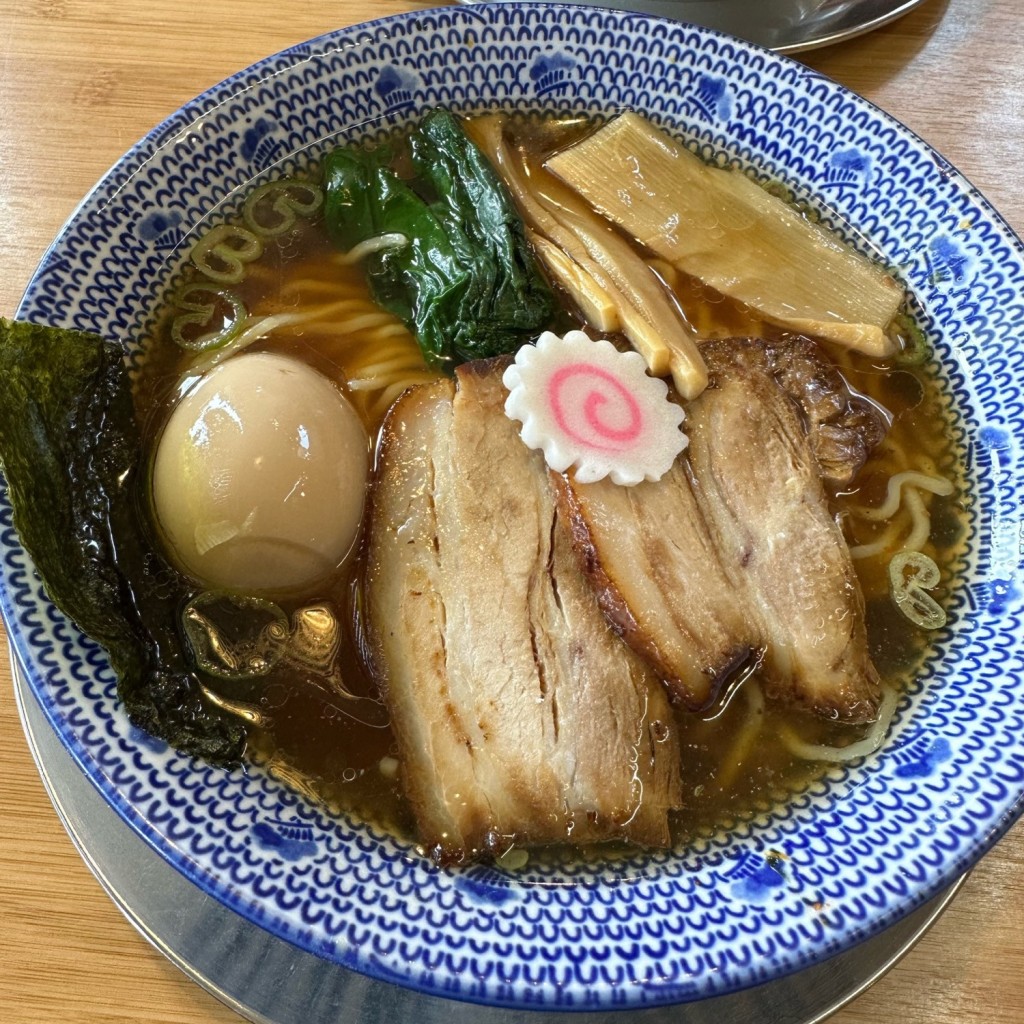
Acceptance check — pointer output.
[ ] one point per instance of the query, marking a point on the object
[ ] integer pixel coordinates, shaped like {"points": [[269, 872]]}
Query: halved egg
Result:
{"points": [[259, 476]]}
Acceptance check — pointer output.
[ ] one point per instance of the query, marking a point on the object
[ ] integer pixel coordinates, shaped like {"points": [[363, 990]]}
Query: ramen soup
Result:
{"points": [[286, 645]]}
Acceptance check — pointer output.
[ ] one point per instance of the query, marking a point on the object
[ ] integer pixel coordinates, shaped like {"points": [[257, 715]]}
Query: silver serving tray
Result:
{"points": [[269, 981], [786, 26]]}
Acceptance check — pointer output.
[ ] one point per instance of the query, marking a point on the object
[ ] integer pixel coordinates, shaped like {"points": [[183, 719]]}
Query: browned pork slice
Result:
{"points": [[843, 427], [655, 568], [520, 717], [734, 551], [759, 486]]}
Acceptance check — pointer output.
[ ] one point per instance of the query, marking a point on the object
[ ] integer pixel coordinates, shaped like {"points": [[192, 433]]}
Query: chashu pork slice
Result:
{"points": [[843, 427], [656, 570], [520, 717], [734, 554], [759, 486]]}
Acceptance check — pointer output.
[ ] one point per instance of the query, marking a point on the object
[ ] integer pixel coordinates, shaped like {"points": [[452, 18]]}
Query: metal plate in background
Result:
{"points": [[786, 26], [270, 981]]}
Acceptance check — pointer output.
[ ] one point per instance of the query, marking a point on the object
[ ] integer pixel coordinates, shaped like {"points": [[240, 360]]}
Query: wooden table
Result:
{"points": [[81, 81]]}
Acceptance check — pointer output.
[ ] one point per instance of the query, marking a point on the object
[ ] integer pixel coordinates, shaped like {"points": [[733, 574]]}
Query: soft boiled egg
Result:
{"points": [[259, 476]]}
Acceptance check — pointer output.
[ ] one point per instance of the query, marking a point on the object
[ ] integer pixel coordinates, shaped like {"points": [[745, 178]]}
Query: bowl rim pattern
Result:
{"points": [[853, 853]]}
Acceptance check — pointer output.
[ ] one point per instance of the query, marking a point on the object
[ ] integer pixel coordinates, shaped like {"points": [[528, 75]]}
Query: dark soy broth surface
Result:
{"points": [[335, 745]]}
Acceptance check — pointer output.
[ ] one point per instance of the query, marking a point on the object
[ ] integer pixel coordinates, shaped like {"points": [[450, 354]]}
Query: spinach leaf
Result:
{"points": [[466, 281], [71, 453]]}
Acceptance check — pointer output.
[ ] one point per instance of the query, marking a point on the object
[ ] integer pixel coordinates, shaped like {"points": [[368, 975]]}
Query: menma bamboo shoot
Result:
{"points": [[724, 229]]}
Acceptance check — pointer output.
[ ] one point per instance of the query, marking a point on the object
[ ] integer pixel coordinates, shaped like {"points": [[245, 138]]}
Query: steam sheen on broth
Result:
{"points": [[315, 720]]}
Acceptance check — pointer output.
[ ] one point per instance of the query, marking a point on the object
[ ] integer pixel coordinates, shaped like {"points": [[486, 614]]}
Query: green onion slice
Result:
{"points": [[201, 305], [273, 208], [911, 575], [914, 348], [222, 253]]}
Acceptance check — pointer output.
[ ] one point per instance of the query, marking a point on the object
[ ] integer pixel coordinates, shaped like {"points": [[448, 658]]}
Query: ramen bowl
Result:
{"points": [[855, 851]]}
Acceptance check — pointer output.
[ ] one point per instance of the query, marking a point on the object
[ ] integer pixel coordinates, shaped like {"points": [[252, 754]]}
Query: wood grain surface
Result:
{"points": [[80, 81]]}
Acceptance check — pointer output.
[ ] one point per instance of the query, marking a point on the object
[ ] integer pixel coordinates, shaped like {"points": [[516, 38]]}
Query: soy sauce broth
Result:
{"points": [[734, 763]]}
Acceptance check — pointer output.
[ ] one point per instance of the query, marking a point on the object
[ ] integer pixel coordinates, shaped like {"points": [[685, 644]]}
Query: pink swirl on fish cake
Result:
{"points": [[605, 438], [593, 410]]}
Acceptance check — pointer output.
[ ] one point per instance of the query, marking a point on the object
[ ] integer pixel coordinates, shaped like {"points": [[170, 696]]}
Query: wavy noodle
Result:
{"points": [[339, 331], [258, 327], [384, 371], [908, 478], [254, 329], [368, 246], [377, 355], [369, 320], [355, 304], [390, 394], [312, 286], [379, 408], [903, 503], [868, 745], [921, 520], [744, 742], [372, 372], [886, 541]]}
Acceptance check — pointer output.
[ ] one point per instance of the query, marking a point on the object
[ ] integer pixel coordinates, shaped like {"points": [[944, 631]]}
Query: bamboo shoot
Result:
{"points": [[723, 228], [647, 316], [596, 305]]}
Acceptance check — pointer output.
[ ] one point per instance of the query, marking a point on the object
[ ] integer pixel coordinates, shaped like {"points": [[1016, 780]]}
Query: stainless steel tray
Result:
{"points": [[787, 26], [269, 981]]}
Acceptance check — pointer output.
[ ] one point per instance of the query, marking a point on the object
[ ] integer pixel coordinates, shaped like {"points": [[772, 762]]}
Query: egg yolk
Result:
{"points": [[259, 476]]}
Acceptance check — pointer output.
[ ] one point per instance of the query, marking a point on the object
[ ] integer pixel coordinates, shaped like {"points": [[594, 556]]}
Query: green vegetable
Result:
{"points": [[198, 305], [223, 252], [911, 574], [71, 453], [914, 348], [286, 200], [466, 282]]}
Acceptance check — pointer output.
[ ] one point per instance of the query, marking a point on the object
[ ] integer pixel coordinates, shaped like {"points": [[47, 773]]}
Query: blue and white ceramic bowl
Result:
{"points": [[844, 859]]}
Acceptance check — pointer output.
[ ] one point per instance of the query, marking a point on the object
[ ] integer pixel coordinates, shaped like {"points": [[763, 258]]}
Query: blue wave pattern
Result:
{"points": [[859, 848]]}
